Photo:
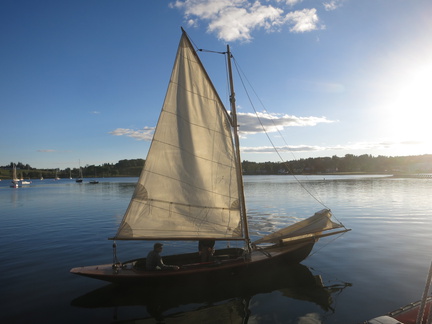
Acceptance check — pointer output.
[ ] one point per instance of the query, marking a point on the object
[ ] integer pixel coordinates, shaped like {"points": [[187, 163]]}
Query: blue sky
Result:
{"points": [[85, 80]]}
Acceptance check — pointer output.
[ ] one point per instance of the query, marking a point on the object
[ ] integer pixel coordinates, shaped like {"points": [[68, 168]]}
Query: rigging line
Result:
{"points": [[325, 245], [197, 49], [268, 136], [209, 51], [262, 104]]}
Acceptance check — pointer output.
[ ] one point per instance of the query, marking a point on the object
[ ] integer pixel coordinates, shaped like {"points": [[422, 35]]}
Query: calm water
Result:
{"points": [[51, 226]]}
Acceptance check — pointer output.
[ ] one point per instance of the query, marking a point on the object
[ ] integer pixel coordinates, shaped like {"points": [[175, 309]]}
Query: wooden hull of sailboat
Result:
{"points": [[228, 263]]}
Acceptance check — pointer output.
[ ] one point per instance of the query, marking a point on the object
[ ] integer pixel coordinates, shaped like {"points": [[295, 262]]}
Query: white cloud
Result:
{"points": [[303, 20], [249, 124], [237, 23], [331, 5], [350, 147], [274, 122], [234, 20], [145, 134], [281, 149], [292, 2]]}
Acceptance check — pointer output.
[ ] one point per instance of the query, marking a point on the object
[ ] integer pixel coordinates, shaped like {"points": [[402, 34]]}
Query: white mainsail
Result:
{"points": [[188, 188], [14, 174]]}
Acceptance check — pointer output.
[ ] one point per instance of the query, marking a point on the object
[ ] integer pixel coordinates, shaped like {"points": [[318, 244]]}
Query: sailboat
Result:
{"points": [[15, 180], [26, 182], [191, 189], [80, 178], [56, 176]]}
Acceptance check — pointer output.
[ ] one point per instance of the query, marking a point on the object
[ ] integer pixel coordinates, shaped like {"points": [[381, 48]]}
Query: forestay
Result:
{"points": [[188, 188]]}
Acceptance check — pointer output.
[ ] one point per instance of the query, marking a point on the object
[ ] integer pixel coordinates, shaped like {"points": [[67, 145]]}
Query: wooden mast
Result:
{"points": [[238, 160]]}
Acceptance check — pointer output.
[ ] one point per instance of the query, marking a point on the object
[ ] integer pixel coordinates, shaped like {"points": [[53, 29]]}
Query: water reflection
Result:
{"points": [[206, 302]]}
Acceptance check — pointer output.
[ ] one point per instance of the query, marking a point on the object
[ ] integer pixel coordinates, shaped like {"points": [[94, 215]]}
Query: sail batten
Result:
{"points": [[189, 186], [198, 157], [184, 205]]}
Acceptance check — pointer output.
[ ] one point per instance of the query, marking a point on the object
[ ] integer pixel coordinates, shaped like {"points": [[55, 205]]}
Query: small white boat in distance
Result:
{"points": [[15, 180]]}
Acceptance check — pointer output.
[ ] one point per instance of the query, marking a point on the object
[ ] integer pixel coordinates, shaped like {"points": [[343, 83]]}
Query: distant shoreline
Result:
{"points": [[392, 175]]}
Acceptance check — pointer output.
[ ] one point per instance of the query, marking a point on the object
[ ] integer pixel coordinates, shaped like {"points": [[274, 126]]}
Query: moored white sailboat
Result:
{"points": [[56, 176], [15, 180], [191, 189]]}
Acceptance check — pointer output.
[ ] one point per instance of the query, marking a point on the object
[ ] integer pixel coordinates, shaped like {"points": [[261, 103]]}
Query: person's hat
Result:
{"points": [[157, 245]]}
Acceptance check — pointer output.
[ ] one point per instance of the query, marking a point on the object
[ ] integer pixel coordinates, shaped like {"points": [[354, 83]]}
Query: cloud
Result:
{"points": [[291, 2], [303, 21], [234, 20], [249, 124], [350, 147], [331, 5], [145, 134], [411, 142], [384, 144], [274, 122], [281, 149]]}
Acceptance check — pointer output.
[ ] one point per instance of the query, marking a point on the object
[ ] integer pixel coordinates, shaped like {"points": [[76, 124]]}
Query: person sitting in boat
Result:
{"points": [[206, 250], [154, 260]]}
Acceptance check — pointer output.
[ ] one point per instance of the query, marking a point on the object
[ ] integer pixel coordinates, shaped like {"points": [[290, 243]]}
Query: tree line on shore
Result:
{"points": [[123, 168], [322, 165]]}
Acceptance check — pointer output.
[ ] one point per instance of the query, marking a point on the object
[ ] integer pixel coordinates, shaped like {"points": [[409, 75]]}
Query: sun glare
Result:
{"points": [[408, 110]]}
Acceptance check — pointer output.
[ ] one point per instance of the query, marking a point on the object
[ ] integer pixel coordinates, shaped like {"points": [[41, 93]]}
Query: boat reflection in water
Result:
{"points": [[207, 302]]}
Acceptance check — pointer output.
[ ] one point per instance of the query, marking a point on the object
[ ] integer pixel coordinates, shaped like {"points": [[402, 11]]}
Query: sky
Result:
{"points": [[82, 82]]}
